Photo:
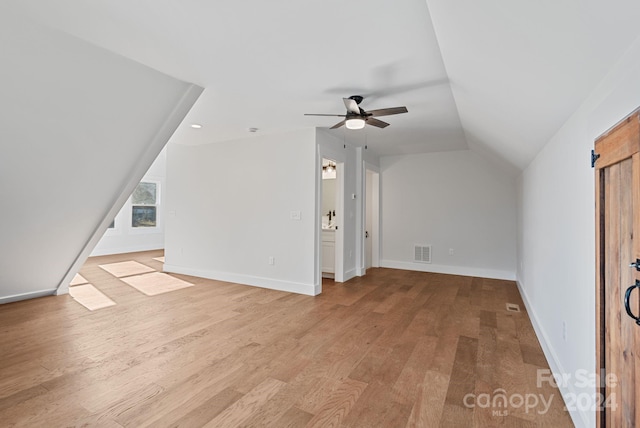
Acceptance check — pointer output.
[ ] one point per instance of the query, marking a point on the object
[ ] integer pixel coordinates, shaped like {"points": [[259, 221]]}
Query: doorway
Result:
{"points": [[371, 219], [617, 187], [331, 215]]}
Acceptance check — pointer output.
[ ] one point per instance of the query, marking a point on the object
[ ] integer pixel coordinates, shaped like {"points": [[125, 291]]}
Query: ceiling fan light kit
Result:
{"points": [[355, 123], [357, 118]]}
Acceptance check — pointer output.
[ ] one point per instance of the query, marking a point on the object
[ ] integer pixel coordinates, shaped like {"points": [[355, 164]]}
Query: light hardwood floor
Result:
{"points": [[392, 349]]}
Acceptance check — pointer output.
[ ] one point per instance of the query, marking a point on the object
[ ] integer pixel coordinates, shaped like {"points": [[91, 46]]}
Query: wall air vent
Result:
{"points": [[422, 253]]}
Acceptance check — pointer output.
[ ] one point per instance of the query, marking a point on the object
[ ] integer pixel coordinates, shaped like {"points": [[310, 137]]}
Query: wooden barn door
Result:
{"points": [[617, 163]]}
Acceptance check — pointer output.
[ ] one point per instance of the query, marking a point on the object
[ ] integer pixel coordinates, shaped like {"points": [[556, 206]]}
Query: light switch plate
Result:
{"points": [[295, 215]]}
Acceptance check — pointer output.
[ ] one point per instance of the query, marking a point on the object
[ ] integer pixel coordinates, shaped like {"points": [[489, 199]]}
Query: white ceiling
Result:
{"points": [[513, 71], [519, 68]]}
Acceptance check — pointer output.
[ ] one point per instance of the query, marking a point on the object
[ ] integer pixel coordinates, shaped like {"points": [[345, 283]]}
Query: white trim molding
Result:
{"points": [[451, 270], [255, 281], [553, 360], [25, 296]]}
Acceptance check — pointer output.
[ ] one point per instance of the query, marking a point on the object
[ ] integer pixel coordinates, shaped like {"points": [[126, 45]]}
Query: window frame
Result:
{"points": [[132, 206]]}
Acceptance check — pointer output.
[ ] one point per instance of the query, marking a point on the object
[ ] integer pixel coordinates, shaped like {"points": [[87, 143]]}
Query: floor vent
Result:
{"points": [[512, 307], [422, 253]]}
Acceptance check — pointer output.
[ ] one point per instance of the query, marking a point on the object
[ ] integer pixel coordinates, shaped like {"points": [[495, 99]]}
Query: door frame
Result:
{"points": [[339, 158], [374, 193], [620, 142]]}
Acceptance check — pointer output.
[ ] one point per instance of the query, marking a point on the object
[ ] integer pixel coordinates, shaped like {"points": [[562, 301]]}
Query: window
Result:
{"points": [[144, 205]]}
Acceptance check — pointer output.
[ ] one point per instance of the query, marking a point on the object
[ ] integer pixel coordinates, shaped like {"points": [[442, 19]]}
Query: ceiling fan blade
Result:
{"points": [[338, 125], [375, 122], [351, 105], [388, 111], [332, 115]]}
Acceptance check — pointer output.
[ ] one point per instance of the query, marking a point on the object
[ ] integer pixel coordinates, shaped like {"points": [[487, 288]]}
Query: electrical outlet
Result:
{"points": [[272, 260], [451, 251]]}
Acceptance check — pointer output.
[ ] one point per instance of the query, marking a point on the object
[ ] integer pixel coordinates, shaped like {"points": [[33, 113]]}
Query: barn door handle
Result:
{"points": [[627, 294], [635, 264]]}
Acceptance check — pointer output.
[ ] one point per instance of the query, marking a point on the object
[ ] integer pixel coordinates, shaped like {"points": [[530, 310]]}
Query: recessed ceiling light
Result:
{"points": [[196, 126], [253, 129]]}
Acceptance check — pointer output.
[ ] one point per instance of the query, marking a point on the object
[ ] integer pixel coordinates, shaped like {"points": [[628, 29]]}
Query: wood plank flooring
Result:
{"points": [[391, 349]]}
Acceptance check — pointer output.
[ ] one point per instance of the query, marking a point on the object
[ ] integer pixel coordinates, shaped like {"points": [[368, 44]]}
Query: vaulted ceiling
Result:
{"points": [[495, 76]]}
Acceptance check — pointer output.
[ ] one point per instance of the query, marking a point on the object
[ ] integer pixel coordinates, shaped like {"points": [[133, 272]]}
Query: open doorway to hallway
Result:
{"points": [[371, 219]]}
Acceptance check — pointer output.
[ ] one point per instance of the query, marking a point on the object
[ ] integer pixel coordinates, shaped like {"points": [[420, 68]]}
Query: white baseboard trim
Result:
{"points": [[256, 281], [552, 359], [127, 249], [350, 274], [25, 296], [451, 270]]}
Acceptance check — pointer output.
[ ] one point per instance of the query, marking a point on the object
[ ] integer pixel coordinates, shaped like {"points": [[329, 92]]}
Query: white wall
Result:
{"points": [[229, 209], [124, 238], [68, 110], [448, 200], [556, 233]]}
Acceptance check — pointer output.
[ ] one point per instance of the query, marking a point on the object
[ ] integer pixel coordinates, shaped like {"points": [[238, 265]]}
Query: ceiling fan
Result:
{"points": [[356, 117]]}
